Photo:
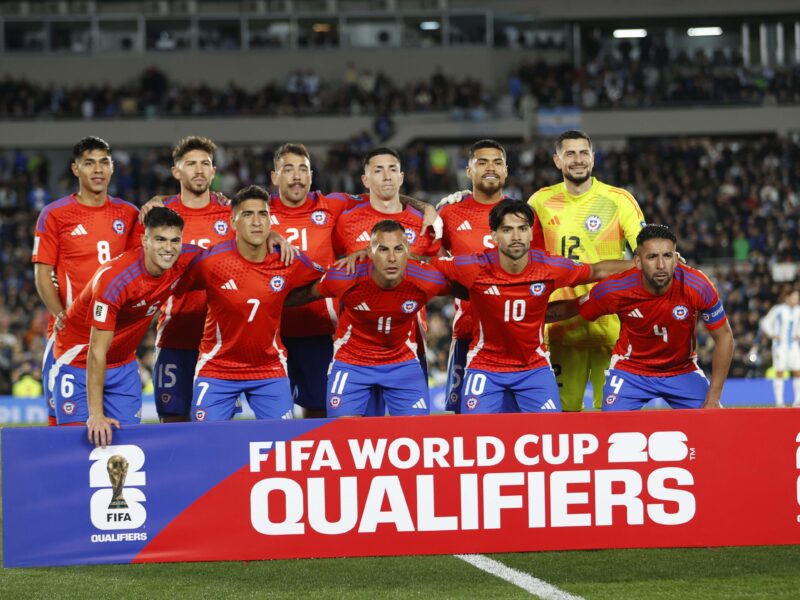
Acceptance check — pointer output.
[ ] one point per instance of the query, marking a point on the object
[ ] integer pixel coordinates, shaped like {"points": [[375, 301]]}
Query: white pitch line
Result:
{"points": [[535, 586]]}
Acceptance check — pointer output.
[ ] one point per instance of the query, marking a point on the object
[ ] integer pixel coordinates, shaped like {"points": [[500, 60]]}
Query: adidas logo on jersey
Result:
{"points": [[492, 291], [549, 405], [364, 237], [362, 306], [636, 314], [79, 230], [140, 304], [229, 285], [420, 404], [273, 220], [554, 221], [465, 226]]}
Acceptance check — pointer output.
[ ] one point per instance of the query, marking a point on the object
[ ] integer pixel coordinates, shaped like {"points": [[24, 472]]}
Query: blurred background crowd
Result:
{"points": [[732, 201]]}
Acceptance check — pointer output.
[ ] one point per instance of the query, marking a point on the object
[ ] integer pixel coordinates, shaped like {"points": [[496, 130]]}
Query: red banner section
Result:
{"points": [[416, 485], [503, 483]]}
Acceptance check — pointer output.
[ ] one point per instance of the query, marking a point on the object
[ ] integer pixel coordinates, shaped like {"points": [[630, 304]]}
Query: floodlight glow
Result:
{"points": [[430, 25], [630, 33], [703, 31]]}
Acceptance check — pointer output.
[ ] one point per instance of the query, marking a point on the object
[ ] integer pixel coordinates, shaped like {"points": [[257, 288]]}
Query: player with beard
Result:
{"points": [[467, 231], [587, 220], [658, 302]]}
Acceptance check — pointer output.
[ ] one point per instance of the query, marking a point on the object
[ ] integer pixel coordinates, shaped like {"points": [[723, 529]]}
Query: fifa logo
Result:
{"points": [[117, 471]]}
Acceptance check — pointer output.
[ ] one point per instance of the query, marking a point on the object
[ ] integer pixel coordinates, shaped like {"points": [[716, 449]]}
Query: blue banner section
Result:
{"points": [[737, 392], [62, 497], [553, 121]]}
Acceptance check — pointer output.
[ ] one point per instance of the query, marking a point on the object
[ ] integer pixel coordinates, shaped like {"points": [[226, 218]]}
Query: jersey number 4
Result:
{"points": [[661, 332]]}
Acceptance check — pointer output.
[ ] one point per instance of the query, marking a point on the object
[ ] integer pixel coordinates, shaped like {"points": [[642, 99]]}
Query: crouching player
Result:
{"points": [[95, 377], [374, 349], [658, 302], [509, 288]]}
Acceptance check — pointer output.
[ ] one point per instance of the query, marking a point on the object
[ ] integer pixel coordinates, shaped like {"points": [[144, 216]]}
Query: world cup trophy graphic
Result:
{"points": [[117, 471]]}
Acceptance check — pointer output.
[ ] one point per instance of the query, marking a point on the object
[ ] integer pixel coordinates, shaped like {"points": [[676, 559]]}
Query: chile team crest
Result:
{"points": [[318, 217], [680, 312], [538, 288], [277, 283], [411, 235], [119, 226], [409, 306], [593, 224], [221, 227]]}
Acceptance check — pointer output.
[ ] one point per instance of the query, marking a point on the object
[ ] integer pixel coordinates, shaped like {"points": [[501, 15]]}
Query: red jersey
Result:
{"points": [[376, 327], [245, 299], [310, 227], [180, 324], [657, 336], [466, 231], [509, 309], [355, 226], [76, 239], [122, 297]]}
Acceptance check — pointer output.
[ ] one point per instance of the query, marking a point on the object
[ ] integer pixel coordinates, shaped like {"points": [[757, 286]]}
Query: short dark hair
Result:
{"points": [[572, 134], [509, 207], [378, 152], [485, 143], [251, 192], [161, 216], [87, 144], [298, 149], [655, 232], [193, 142], [387, 226]]}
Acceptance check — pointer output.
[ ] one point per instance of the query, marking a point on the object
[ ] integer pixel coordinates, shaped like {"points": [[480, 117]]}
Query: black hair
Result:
{"points": [[378, 152], [572, 134], [509, 207], [160, 216], [655, 232], [251, 192], [387, 226], [485, 143], [87, 144]]}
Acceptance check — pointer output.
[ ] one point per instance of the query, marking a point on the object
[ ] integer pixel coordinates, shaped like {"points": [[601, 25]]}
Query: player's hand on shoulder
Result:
{"points": [[223, 200], [100, 429], [349, 262], [453, 198], [432, 219], [288, 252], [150, 204]]}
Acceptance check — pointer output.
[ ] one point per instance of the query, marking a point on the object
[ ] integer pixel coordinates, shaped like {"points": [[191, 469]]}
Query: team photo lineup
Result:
{"points": [[317, 298]]}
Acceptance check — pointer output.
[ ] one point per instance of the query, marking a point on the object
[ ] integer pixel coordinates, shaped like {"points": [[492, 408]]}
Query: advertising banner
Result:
{"points": [[251, 490]]}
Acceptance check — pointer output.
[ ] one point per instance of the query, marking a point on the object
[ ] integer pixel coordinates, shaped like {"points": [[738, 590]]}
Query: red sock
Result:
{"points": [[51, 421]]}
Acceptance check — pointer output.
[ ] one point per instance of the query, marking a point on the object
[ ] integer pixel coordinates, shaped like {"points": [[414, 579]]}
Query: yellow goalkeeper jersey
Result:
{"points": [[591, 227]]}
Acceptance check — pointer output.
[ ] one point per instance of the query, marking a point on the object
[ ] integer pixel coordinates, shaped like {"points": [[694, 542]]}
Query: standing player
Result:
{"points": [[781, 325], [375, 350], [95, 377], [509, 289], [74, 236], [658, 303], [246, 284], [180, 325], [587, 220], [466, 231]]}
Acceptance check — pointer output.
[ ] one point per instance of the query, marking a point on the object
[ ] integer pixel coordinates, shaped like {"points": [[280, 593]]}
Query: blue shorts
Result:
{"points": [[47, 364], [531, 391], [307, 365], [215, 399], [122, 393], [401, 386], [626, 391], [173, 380]]}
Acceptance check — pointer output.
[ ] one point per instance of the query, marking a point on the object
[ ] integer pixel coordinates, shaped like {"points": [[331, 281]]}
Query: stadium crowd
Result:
{"points": [[612, 80], [732, 203]]}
